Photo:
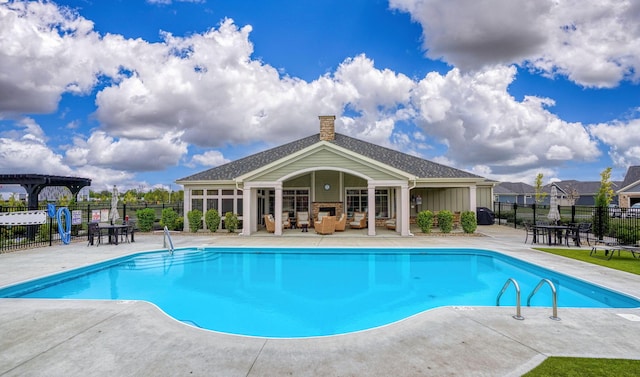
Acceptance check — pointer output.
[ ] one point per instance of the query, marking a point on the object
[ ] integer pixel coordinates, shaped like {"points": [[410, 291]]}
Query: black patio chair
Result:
{"points": [[585, 229], [95, 235]]}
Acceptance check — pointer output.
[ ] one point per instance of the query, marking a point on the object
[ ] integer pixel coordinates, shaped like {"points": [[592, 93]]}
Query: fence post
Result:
{"points": [[573, 214], [124, 210], [534, 206], [50, 230], [515, 215]]}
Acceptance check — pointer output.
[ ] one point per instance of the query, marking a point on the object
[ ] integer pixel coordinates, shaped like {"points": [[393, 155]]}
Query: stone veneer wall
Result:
{"points": [[315, 207], [327, 127]]}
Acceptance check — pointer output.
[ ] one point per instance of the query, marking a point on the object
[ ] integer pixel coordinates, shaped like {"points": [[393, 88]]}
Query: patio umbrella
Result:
{"points": [[553, 215], [113, 213]]}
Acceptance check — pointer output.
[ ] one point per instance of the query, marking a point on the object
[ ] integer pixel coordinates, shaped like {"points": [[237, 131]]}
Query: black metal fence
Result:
{"points": [[610, 224], [15, 237]]}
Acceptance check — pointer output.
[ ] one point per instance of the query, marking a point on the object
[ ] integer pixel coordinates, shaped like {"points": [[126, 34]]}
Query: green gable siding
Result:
{"points": [[301, 181], [323, 158], [354, 181], [438, 199], [332, 178]]}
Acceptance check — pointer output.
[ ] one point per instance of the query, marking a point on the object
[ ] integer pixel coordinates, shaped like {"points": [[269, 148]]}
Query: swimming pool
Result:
{"points": [[275, 292]]}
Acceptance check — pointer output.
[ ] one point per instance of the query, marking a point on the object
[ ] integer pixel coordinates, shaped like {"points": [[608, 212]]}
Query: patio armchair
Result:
{"points": [[302, 220], [359, 220], [321, 215], [341, 223], [326, 226], [390, 224], [270, 223], [286, 223]]}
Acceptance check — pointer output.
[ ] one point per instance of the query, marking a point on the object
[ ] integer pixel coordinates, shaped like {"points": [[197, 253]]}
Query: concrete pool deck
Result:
{"points": [[130, 338]]}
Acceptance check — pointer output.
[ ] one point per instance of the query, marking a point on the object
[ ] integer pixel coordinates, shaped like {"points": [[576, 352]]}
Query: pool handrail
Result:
{"points": [[167, 235], [517, 287], [554, 297]]}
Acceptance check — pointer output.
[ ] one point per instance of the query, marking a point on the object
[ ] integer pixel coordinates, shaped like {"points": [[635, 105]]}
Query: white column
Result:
{"points": [[187, 206], [371, 209], [472, 198], [405, 211], [278, 209], [248, 222]]}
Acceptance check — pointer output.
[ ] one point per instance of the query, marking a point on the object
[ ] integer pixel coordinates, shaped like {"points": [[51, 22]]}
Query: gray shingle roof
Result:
{"points": [[514, 188], [402, 161], [632, 176], [582, 187]]}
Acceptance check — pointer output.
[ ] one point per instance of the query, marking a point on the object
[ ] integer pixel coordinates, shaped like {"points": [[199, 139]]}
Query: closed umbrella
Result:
{"points": [[553, 215], [113, 213]]}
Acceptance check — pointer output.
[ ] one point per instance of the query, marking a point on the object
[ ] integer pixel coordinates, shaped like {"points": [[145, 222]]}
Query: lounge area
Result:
{"points": [[323, 224]]}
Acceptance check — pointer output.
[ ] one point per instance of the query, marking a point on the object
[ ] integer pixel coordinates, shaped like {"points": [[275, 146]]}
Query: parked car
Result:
{"points": [[614, 210], [633, 211]]}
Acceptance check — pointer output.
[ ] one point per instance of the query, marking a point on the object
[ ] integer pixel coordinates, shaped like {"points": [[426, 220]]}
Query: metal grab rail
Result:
{"points": [[554, 297], [164, 240], [517, 287]]}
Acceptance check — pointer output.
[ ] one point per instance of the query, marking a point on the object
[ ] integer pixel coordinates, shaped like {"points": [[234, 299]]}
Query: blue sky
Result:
{"points": [[141, 93]]}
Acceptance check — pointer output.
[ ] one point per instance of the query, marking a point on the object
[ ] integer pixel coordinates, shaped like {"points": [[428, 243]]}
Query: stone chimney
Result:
{"points": [[327, 127]]}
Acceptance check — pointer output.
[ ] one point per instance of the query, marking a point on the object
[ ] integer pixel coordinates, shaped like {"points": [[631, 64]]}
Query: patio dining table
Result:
{"points": [[113, 231], [557, 233]]}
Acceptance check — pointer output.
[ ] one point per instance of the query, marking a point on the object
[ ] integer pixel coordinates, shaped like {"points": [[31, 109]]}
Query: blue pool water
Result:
{"points": [[312, 292]]}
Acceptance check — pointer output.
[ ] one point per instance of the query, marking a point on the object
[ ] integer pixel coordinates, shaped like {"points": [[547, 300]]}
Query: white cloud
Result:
{"points": [[209, 159], [135, 155], [482, 124], [207, 90], [50, 51], [623, 139], [593, 42]]}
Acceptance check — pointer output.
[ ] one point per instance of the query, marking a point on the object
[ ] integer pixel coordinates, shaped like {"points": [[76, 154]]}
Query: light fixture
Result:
{"points": [[327, 187]]}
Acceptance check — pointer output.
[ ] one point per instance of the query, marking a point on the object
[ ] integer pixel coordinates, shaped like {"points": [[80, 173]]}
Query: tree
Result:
{"points": [[131, 196], [605, 192], [572, 195], [540, 195], [15, 202], [603, 198]]}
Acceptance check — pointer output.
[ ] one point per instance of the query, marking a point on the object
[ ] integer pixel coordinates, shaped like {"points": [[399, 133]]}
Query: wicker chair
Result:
{"points": [[390, 224], [270, 222], [359, 220], [326, 226], [341, 223]]}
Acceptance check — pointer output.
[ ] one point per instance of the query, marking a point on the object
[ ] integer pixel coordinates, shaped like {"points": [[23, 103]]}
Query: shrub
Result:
{"points": [[445, 221], [425, 221], [628, 234], [146, 218], [43, 233], [179, 225], [195, 220], [469, 221], [231, 221], [212, 219], [169, 217]]}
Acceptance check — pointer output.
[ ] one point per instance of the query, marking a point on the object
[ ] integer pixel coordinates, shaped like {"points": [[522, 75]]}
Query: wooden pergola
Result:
{"points": [[34, 183]]}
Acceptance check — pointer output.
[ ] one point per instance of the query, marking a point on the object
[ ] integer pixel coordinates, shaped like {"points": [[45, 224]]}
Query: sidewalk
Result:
{"points": [[127, 338]]}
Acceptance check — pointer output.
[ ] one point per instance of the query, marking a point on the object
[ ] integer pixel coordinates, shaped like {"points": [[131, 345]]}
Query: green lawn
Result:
{"points": [[623, 262], [582, 367], [579, 367]]}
